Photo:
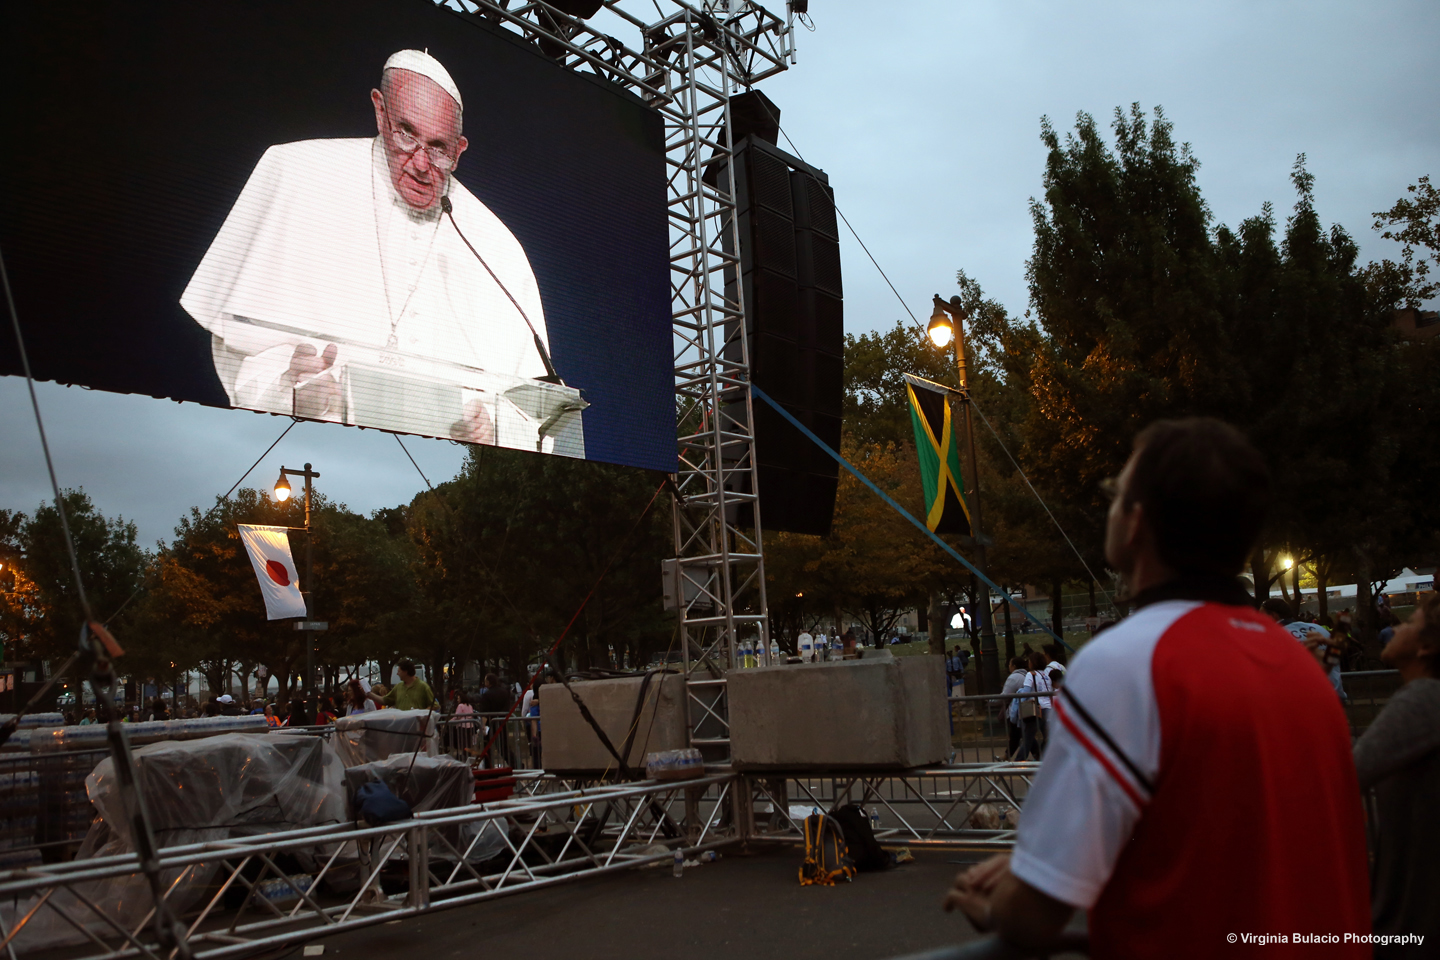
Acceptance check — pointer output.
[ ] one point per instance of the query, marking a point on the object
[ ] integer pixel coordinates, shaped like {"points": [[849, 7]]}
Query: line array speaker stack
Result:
{"points": [[794, 321]]}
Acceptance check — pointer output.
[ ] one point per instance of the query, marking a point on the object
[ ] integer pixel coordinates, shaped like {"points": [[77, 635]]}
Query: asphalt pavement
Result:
{"points": [[743, 905]]}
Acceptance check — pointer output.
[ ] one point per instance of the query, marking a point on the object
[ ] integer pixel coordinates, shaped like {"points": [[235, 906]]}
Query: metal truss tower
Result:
{"points": [[687, 64]]}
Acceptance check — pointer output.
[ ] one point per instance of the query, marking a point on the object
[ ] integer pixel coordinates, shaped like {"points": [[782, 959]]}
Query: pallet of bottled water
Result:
{"points": [[680, 764]]}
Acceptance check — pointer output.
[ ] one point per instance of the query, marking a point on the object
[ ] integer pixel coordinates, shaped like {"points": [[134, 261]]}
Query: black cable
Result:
{"points": [[550, 375], [44, 443], [413, 463], [141, 589]]}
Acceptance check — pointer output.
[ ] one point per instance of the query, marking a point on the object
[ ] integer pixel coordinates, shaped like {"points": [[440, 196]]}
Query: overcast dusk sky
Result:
{"points": [[926, 117]]}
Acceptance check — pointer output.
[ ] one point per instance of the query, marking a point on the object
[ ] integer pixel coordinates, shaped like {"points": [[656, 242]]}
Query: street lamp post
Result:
{"points": [[282, 493], [947, 326]]}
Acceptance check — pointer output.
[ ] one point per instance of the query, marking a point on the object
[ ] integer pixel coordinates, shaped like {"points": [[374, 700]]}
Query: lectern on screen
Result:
{"points": [[379, 213]]}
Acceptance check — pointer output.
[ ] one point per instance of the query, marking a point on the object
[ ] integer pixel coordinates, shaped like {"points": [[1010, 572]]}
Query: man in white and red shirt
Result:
{"points": [[1198, 789]]}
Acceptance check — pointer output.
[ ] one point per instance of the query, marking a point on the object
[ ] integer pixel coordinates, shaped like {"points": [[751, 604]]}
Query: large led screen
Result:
{"points": [[378, 213]]}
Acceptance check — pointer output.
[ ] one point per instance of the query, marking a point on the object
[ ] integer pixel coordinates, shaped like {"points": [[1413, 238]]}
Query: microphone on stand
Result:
{"points": [[550, 375]]}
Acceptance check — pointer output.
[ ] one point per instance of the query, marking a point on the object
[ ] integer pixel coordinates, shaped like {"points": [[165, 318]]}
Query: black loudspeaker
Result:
{"points": [[794, 329]]}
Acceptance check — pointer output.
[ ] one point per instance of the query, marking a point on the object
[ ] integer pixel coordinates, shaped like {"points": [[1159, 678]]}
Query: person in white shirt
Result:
{"points": [[337, 258], [1033, 727], [358, 697], [1311, 634]]}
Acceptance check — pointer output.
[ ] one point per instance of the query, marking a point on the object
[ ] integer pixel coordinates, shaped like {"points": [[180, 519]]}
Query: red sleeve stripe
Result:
{"points": [[1085, 742]]}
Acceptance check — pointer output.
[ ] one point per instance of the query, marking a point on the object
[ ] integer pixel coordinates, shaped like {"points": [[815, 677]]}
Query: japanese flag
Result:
{"points": [[269, 549]]}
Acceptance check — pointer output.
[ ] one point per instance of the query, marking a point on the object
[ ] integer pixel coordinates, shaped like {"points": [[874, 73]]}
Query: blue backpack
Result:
{"points": [[377, 805]]}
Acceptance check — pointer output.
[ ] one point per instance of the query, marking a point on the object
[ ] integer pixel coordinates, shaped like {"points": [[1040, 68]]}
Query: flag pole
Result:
{"points": [[312, 700], [989, 655]]}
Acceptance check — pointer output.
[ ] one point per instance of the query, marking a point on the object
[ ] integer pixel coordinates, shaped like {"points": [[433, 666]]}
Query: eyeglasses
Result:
{"points": [[405, 143], [438, 158]]}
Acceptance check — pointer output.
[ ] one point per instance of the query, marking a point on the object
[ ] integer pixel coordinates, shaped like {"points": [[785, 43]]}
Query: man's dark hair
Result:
{"points": [[1279, 608], [407, 665], [1205, 491]]}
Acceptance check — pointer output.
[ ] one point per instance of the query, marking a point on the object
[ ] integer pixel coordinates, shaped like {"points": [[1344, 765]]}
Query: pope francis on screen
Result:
{"points": [[357, 281]]}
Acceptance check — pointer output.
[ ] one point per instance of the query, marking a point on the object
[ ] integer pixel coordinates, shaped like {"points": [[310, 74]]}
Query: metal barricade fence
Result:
{"points": [[980, 728], [44, 810], [465, 735]]}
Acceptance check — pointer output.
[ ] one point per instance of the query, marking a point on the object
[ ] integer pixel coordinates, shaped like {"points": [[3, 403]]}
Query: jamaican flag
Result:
{"points": [[938, 442]]}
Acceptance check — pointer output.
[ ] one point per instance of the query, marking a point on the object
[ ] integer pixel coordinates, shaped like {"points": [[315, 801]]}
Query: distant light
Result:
{"points": [[1289, 562], [282, 489], [941, 329]]}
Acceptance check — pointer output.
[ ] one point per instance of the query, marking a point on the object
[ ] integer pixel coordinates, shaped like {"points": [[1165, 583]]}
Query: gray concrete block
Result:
{"points": [[569, 744], [886, 713]]}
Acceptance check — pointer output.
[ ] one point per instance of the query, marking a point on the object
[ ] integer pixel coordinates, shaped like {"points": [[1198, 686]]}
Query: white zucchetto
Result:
{"points": [[418, 61]]}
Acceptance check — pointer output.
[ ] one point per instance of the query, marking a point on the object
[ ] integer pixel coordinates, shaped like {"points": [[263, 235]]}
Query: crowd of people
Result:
{"points": [[469, 718]]}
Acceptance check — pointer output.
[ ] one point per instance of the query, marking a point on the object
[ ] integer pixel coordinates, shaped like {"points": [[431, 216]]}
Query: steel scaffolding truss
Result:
{"points": [[687, 65], [969, 805]]}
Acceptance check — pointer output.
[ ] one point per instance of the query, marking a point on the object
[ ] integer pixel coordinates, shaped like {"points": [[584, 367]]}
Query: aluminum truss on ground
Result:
{"points": [[969, 805], [687, 64], [242, 896]]}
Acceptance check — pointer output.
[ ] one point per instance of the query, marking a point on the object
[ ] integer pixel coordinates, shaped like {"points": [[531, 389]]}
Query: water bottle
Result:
{"points": [[874, 820], [774, 652], [746, 655], [805, 647], [679, 869]]}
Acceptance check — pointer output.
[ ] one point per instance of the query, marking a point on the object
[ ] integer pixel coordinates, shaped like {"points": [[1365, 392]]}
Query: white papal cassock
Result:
{"points": [[320, 242]]}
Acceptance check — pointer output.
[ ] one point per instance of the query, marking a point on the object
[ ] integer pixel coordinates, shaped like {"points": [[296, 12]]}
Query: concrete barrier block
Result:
{"points": [[569, 744], [884, 713]]}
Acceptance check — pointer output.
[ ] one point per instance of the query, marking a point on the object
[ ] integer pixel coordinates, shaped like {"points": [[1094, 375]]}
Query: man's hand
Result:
{"points": [[993, 898], [475, 426], [973, 889], [1315, 643], [317, 394]]}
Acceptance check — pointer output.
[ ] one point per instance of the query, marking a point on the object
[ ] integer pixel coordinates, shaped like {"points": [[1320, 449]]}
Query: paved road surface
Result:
{"points": [[750, 907]]}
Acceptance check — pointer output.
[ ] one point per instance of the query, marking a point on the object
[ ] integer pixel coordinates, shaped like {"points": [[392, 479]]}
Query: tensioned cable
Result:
{"points": [[624, 542], [413, 463], [1094, 578], [141, 589], [921, 327], [45, 443]]}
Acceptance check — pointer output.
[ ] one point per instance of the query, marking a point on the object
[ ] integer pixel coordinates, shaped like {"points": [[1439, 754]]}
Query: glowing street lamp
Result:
{"points": [[282, 494], [946, 327], [941, 329]]}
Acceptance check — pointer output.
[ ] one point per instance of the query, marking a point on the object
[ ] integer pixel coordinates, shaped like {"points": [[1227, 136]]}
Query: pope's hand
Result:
{"points": [[317, 393], [475, 426]]}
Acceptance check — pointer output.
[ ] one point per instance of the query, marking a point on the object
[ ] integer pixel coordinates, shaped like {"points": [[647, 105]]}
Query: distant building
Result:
{"points": [[1416, 324]]}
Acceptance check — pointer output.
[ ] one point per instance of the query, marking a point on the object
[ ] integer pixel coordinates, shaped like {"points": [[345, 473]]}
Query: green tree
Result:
{"points": [[112, 566], [511, 547], [1417, 218]]}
